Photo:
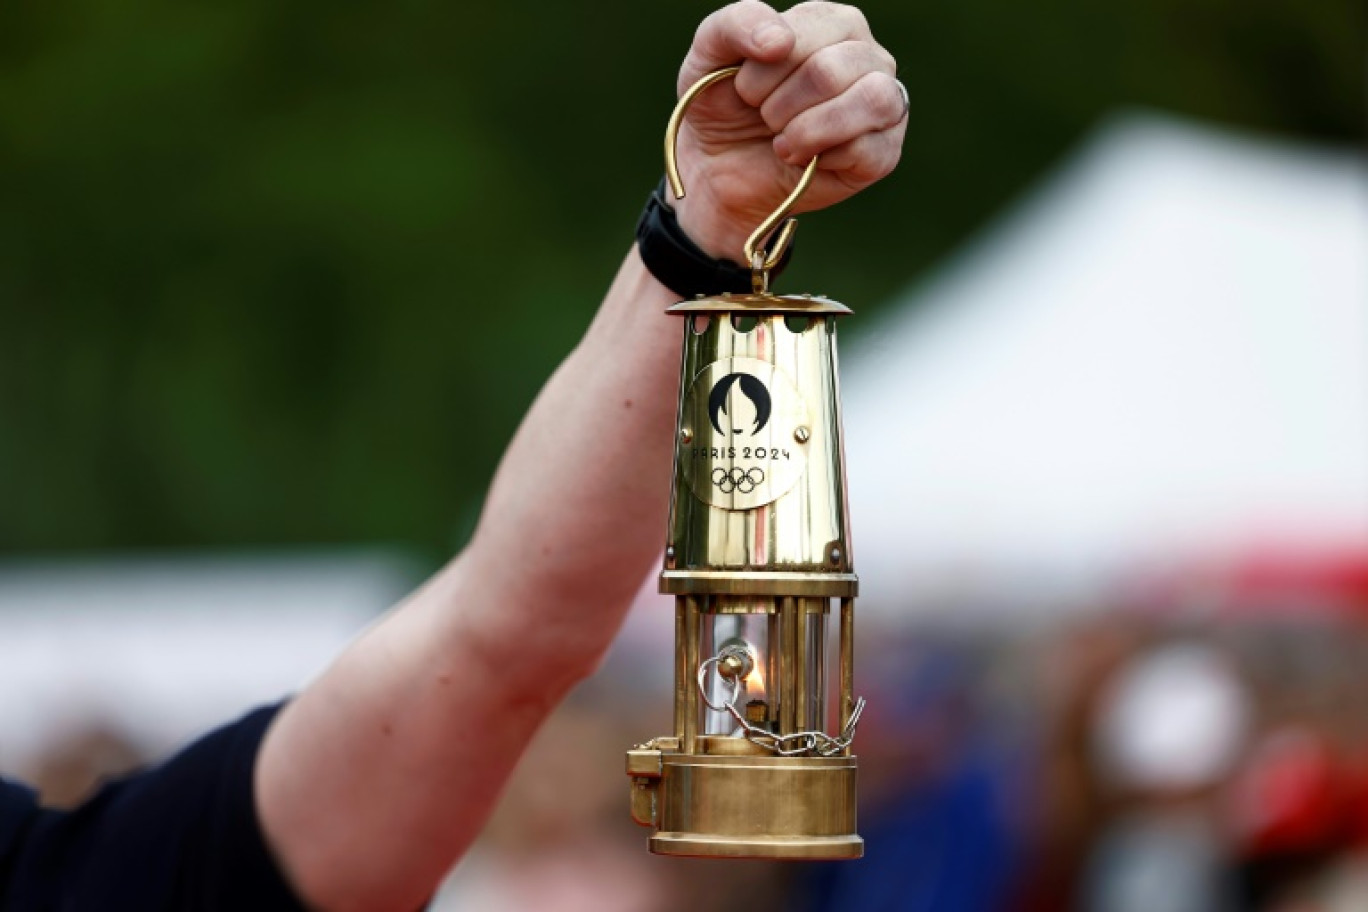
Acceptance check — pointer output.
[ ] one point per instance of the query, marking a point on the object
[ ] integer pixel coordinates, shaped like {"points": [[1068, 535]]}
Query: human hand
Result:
{"points": [[813, 81]]}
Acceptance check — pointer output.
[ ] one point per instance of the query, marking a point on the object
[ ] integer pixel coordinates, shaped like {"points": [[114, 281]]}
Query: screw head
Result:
{"points": [[835, 555], [802, 434], [686, 435], [670, 553]]}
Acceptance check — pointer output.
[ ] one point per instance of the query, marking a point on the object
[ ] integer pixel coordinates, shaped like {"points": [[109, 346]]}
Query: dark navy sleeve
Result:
{"points": [[181, 837]]}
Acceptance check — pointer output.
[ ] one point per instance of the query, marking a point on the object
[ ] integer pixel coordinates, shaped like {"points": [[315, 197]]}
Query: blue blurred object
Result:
{"points": [[944, 845]]}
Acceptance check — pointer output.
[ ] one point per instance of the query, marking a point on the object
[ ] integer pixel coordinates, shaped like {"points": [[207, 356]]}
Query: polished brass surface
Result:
{"points": [[690, 697], [810, 305], [796, 530], [644, 762], [726, 746], [683, 678], [789, 669], [817, 585], [725, 605], [743, 454], [752, 806], [782, 554], [645, 800], [802, 669], [644, 766], [757, 548], [847, 662], [730, 604], [792, 848], [768, 259]]}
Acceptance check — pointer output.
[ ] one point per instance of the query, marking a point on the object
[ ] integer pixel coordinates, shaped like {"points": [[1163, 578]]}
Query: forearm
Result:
{"points": [[576, 513], [414, 730]]}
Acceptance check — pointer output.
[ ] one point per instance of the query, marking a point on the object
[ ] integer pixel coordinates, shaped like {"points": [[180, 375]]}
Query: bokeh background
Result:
{"points": [[277, 281]]}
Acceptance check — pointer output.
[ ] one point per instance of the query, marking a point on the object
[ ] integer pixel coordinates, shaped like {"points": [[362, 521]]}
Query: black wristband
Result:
{"points": [[680, 264]]}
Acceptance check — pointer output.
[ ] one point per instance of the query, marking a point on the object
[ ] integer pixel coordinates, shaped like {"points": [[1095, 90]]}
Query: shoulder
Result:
{"points": [[183, 835]]}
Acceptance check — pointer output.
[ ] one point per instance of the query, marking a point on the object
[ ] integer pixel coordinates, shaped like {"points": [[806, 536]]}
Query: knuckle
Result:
{"points": [[842, 12], [826, 72], [881, 95], [853, 15], [886, 58]]}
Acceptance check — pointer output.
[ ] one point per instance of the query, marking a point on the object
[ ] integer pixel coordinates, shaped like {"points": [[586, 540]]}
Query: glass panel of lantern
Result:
{"points": [[783, 687]]}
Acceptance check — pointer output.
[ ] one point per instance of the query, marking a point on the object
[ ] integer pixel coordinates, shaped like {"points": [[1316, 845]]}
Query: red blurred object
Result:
{"points": [[1269, 581], [1329, 579], [1291, 797]]}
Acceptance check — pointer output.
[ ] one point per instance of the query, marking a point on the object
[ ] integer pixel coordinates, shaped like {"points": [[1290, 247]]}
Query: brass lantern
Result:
{"points": [[757, 555]]}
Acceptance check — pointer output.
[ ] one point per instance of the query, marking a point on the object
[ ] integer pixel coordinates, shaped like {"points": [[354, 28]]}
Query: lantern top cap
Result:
{"points": [[761, 304]]}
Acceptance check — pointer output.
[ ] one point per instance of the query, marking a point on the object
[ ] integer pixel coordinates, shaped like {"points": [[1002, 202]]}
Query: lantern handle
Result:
{"points": [[760, 260]]}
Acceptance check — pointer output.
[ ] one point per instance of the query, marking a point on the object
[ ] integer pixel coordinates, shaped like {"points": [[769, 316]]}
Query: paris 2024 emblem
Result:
{"points": [[744, 434]]}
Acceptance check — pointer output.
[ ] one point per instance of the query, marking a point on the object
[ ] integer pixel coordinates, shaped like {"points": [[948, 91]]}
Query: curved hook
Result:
{"points": [[760, 261]]}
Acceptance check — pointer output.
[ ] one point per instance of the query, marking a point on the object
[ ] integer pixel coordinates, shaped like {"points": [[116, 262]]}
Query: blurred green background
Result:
{"points": [[290, 272]]}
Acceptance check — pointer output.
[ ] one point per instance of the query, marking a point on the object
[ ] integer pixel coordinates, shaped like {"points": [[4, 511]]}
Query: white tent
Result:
{"points": [[1163, 352], [162, 648]]}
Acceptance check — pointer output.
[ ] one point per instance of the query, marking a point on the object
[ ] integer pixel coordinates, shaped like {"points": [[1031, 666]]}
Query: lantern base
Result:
{"points": [[740, 805]]}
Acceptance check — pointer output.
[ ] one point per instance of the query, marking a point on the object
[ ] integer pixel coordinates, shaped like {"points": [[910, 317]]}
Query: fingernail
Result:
{"points": [[767, 36]]}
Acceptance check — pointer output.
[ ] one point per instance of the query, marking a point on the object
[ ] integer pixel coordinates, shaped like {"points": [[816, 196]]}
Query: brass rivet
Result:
{"points": [[686, 435], [835, 555], [801, 434], [670, 553]]}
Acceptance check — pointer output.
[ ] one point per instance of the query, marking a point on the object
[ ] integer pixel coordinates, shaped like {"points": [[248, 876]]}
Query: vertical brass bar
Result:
{"points": [[818, 609], [681, 683], [774, 671], [689, 737], [847, 663], [788, 626], [800, 665]]}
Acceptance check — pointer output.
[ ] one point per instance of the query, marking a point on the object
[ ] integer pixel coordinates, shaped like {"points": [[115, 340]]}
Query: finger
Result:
{"points": [[815, 26], [866, 159], [828, 73], [872, 104], [749, 30]]}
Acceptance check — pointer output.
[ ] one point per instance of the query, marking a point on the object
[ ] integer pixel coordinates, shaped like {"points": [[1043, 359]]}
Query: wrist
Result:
{"points": [[715, 236], [673, 254]]}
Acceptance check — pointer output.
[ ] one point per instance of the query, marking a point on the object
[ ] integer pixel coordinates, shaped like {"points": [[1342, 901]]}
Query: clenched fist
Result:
{"points": [[813, 81]]}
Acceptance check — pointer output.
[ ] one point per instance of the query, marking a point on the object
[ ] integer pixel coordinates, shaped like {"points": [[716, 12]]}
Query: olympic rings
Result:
{"points": [[743, 482]]}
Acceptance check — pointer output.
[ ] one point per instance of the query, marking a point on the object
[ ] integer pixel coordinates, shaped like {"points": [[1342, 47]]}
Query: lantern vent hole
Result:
{"points": [[744, 323]]}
